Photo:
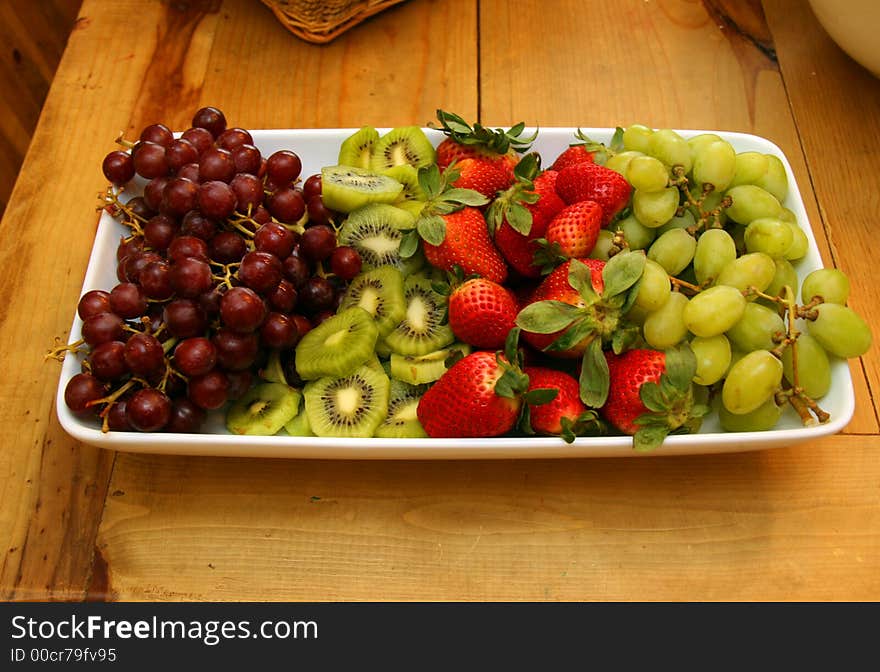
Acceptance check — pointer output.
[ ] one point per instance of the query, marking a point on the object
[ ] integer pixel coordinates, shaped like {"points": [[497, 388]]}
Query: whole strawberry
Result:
{"points": [[483, 176], [574, 230], [520, 216], [565, 415], [481, 395], [482, 313], [651, 394], [590, 181], [493, 145], [465, 243]]}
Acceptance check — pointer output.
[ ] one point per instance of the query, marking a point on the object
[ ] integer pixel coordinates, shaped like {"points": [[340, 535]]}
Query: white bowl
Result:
{"points": [[854, 25], [319, 148]]}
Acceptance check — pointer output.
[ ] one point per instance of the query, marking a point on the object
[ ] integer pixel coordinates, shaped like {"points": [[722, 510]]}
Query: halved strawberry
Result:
{"points": [[651, 394]]}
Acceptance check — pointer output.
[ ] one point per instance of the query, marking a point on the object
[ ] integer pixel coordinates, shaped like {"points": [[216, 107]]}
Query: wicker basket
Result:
{"points": [[320, 21]]}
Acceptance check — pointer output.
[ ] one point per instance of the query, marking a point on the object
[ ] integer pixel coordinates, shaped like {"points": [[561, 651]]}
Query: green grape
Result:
{"points": [[751, 381], [814, 367], [602, 248], [682, 221], [697, 142], [775, 179], [672, 149], [769, 235], [751, 202], [713, 358], [654, 289], [735, 355], [787, 215], [829, 284], [715, 163], [760, 420], [754, 269], [800, 244], [619, 163], [646, 174], [750, 167], [673, 250], [637, 138], [714, 310], [637, 315], [756, 328], [665, 327], [785, 276], [715, 249], [655, 208], [638, 236], [840, 330]]}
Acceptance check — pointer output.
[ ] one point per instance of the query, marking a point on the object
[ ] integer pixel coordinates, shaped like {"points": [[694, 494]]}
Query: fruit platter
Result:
{"points": [[454, 292]]}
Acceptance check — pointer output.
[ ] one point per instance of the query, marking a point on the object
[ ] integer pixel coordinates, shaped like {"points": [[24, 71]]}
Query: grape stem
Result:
{"points": [[710, 219], [59, 352], [114, 206]]}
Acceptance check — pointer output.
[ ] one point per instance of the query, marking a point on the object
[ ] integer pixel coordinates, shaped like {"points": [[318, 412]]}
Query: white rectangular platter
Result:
{"points": [[319, 147]]}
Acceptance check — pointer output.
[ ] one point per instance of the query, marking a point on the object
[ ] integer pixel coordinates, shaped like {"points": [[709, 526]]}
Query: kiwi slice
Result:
{"points": [[338, 345], [426, 368], [273, 371], [357, 149], [263, 410], [380, 293], [299, 425], [375, 231], [403, 145], [401, 421], [346, 188], [424, 328], [348, 406], [408, 176]]}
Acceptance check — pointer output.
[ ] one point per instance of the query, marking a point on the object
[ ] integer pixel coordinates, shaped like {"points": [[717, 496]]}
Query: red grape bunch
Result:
{"points": [[229, 256]]}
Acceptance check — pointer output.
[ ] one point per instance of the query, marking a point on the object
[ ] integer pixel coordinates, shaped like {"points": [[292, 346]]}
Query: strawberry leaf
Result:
{"points": [[429, 180], [547, 317], [520, 218], [541, 395], [650, 437], [616, 144], [432, 229], [594, 379], [464, 197], [652, 397], [409, 244], [528, 167], [681, 366], [581, 279], [622, 271]]}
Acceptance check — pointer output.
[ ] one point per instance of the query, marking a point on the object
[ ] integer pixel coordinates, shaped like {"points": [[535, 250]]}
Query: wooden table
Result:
{"points": [[799, 523]]}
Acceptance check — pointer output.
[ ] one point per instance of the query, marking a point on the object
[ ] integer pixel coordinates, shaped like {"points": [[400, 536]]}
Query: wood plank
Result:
{"points": [[596, 74], [56, 487], [848, 185], [755, 526]]}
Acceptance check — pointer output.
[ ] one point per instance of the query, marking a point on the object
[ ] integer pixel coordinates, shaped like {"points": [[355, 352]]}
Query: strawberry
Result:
{"points": [[573, 154], [574, 313], [494, 145], [482, 313], [480, 395], [465, 243], [565, 415], [514, 234], [482, 176], [590, 181], [651, 394], [574, 231]]}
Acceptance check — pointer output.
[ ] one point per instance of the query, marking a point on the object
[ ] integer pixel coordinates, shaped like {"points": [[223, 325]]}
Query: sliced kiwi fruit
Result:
{"points": [[346, 188], [338, 345], [403, 145], [424, 328], [379, 292], [299, 425], [347, 406], [273, 371], [357, 149], [401, 421], [263, 410], [376, 231], [408, 176], [426, 368]]}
